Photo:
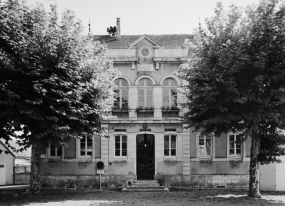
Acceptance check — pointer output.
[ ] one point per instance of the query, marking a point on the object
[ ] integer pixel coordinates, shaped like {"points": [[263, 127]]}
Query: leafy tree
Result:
{"points": [[55, 83], [112, 30], [236, 79]]}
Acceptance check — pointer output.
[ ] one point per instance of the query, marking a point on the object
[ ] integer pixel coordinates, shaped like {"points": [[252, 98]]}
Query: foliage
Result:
{"points": [[55, 83], [173, 107], [123, 108], [236, 77], [112, 30], [141, 108], [271, 147]]}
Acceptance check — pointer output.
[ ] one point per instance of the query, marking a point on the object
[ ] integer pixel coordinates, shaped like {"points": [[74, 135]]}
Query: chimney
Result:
{"points": [[118, 29]]}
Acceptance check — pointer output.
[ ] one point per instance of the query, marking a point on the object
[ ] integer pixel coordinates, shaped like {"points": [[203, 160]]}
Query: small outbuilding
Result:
{"points": [[7, 160], [272, 176]]}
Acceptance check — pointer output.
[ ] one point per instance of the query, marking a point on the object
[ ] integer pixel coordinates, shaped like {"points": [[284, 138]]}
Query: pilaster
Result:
{"points": [[157, 101], [186, 150], [133, 102]]}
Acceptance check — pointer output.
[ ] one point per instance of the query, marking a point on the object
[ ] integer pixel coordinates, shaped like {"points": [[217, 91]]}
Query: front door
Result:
{"points": [[145, 157]]}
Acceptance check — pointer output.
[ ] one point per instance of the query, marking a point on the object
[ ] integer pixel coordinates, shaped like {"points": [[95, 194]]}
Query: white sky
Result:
{"points": [[142, 16]]}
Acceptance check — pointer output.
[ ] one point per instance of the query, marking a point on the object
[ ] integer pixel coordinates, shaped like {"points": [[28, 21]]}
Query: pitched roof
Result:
{"points": [[7, 148], [165, 40]]}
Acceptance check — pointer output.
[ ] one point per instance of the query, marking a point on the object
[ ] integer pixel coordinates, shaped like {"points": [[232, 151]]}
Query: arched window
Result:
{"points": [[122, 97], [145, 93], [169, 92]]}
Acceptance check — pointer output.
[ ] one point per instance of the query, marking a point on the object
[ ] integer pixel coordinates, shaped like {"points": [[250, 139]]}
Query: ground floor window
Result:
{"points": [[205, 145], [235, 145], [86, 146], [55, 151], [121, 145], [169, 145]]}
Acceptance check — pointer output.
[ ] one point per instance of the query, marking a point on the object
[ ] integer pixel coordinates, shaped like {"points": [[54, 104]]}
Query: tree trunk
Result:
{"points": [[35, 179], [254, 167]]}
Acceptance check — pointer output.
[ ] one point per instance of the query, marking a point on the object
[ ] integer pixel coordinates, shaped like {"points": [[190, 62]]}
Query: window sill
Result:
{"points": [[54, 159], [85, 157], [120, 157], [120, 111], [169, 158], [205, 158], [144, 111], [235, 158]]}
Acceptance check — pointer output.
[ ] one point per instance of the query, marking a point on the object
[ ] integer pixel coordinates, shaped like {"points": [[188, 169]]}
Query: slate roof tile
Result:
{"points": [[165, 40]]}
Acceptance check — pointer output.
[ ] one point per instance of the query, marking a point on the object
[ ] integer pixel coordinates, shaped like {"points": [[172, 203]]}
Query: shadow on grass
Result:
{"points": [[112, 198], [58, 198]]}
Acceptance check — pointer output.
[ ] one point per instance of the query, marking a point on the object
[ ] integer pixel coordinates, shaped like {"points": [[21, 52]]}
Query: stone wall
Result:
{"points": [[120, 181], [86, 181], [204, 181], [219, 181]]}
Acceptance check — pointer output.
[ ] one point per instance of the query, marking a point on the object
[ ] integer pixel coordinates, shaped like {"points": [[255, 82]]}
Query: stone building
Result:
{"points": [[147, 139]]}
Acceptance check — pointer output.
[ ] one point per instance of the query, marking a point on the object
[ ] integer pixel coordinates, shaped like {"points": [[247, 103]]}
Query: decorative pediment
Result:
{"points": [[145, 37]]}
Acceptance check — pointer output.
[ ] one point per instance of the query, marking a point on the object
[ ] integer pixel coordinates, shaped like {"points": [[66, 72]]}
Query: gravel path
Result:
{"points": [[112, 198]]}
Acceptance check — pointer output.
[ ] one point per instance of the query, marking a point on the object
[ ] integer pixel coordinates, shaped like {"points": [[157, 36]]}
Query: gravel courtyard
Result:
{"points": [[111, 198]]}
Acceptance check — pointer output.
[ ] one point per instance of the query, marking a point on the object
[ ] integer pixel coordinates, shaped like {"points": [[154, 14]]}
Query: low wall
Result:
{"points": [[22, 178], [85, 181], [204, 181], [172, 181]]}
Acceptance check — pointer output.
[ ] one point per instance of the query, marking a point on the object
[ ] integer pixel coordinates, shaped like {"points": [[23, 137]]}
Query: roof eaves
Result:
{"points": [[134, 43], [154, 41], [7, 149]]}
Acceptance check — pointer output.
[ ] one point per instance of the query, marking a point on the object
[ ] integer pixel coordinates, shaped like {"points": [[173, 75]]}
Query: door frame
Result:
{"points": [[136, 160]]}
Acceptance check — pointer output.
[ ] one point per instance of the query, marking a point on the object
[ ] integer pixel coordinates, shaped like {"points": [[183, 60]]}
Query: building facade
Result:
{"points": [[146, 138], [7, 160]]}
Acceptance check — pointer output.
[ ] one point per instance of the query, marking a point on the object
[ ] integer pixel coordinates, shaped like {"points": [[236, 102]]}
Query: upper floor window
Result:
{"points": [[169, 145], [55, 151], [205, 145], [122, 97], [121, 145], [145, 93], [86, 146], [235, 145], [169, 92]]}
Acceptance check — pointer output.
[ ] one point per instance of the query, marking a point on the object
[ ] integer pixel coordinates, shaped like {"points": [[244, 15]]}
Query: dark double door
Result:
{"points": [[145, 156]]}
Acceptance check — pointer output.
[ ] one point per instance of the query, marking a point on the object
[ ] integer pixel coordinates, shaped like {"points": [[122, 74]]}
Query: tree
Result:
{"points": [[55, 83], [236, 78]]}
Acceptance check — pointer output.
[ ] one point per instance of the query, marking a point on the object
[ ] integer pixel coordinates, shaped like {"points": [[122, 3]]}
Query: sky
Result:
{"points": [[142, 16]]}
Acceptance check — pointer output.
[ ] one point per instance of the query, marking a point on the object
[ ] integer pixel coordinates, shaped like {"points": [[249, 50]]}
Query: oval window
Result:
{"points": [[145, 51]]}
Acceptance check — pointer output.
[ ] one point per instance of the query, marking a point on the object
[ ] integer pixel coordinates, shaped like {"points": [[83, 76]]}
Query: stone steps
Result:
{"points": [[145, 186]]}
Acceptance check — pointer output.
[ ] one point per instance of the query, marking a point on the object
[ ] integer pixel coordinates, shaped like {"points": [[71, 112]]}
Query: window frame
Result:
{"points": [[213, 148], [149, 52], [121, 148], [86, 149], [169, 143], [205, 156], [242, 144], [169, 88], [145, 89], [120, 89], [56, 151]]}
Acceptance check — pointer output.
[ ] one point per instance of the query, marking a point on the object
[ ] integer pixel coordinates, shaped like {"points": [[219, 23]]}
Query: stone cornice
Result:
{"points": [[170, 59], [124, 59]]}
